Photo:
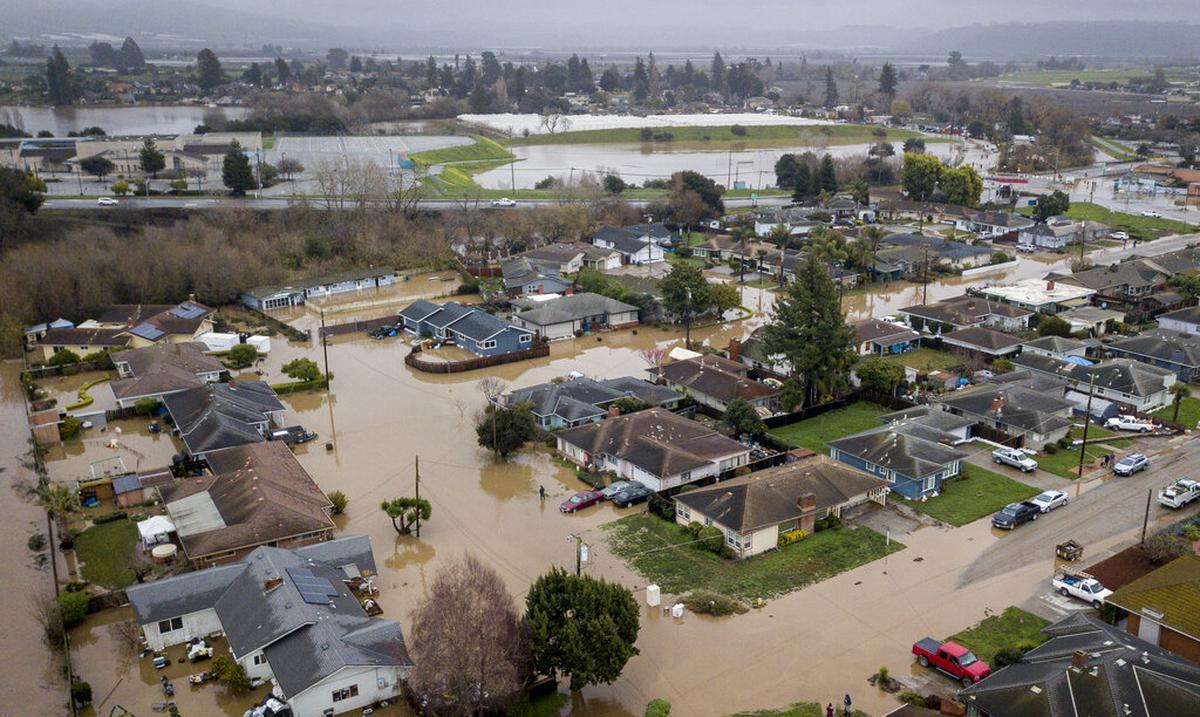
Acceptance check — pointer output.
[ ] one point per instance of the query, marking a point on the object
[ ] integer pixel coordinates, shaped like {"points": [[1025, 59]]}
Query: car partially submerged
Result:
{"points": [[579, 501]]}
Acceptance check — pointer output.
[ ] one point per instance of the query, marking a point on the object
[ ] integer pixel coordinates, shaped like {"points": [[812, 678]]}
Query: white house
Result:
{"points": [[638, 244], [292, 617], [1184, 321]]}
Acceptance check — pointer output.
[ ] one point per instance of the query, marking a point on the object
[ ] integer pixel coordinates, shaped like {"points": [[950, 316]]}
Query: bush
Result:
{"points": [[711, 538], [708, 602], [110, 517], [1064, 442], [658, 708], [69, 428], [231, 674], [36, 542], [1051, 448], [1006, 656], [302, 369], [64, 358], [73, 606], [339, 500], [1191, 531], [145, 406], [662, 507], [829, 522], [693, 528], [791, 536], [738, 130], [81, 693], [909, 697], [242, 355], [1164, 546]]}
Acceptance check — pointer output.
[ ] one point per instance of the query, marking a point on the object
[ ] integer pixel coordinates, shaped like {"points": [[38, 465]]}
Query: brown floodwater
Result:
{"points": [[380, 415]]}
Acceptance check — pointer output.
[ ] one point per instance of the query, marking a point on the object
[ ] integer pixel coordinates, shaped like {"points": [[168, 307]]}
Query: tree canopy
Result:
{"points": [[151, 158], [920, 175], [236, 173], [1052, 205], [208, 70], [513, 428], [877, 374], [743, 419], [404, 511]]}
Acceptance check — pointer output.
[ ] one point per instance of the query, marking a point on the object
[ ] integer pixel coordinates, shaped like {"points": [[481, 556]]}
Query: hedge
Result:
{"points": [[85, 399]]}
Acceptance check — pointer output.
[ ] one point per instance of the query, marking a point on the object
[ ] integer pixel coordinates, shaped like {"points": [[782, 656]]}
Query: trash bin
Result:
{"points": [[677, 610], [653, 595]]}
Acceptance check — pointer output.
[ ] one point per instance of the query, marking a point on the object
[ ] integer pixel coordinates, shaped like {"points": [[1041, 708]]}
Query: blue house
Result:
{"points": [[907, 455], [466, 326]]}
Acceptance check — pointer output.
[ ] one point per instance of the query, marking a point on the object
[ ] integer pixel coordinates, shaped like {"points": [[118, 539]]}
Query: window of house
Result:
{"points": [[685, 476], [731, 539], [175, 623], [683, 512], [525, 338], [345, 693], [488, 344], [260, 659]]}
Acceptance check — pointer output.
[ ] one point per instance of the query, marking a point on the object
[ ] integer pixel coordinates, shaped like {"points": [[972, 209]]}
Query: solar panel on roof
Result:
{"points": [[313, 590], [148, 332], [187, 311]]}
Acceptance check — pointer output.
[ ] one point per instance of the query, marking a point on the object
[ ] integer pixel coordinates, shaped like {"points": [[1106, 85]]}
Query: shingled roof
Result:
{"points": [[717, 377], [1172, 591], [163, 368], [900, 450]]}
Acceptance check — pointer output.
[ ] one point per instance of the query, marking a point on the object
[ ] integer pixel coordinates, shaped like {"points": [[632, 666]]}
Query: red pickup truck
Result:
{"points": [[952, 659]]}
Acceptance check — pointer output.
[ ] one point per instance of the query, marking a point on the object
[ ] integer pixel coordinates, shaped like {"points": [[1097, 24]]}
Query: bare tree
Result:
{"points": [[653, 357], [44, 607], [469, 649], [128, 636], [404, 192], [491, 388], [554, 123]]}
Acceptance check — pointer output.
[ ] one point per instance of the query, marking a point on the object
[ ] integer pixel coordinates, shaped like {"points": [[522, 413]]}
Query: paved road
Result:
{"points": [[1103, 508]]}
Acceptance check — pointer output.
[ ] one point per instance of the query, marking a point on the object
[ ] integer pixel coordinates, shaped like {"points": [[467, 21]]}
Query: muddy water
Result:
{"points": [[31, 684]]}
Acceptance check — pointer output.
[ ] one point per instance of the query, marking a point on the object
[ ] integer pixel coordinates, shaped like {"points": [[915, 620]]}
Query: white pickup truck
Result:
{"points": [[1129, 423], [1080, 585], [1179, 493]]}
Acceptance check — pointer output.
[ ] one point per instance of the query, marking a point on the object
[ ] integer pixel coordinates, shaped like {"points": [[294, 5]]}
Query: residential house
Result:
{"points": [[714, 381], [1037, 418], [562, 317], [134, 325], [79, 341], [467, 326], [155, 371], [1040, 296], [1183, 321], [254, 494], [37, 331], [988, 343], [1054, 233], [1139, 386], [638, 244], [753, 353], [792, 261], [1088, 667], [994, 225], [883, 338], [599, 258], [581, 400], [962, 312], [1092, 319], [296, 293], [1162, 607], [1127, 281], [1055, 346], [909, 455], [951, 428], [654, 447], [523, 276], [223, 415], [1180, 261], [753, 510], [917, 249], [291, 617], [559, 258], [1179, 353]]}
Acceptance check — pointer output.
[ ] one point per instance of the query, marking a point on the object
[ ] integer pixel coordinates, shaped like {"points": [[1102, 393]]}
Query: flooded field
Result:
{"points": [[117, 120], [532, 123]]}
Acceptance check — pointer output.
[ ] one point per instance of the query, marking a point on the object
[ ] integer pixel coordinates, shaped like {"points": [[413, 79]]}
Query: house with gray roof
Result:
{"points": [[883, 338], [293, 617], [1124, 281], [155, 371], [522, 275], [654, 447], [581, 400], [1179, 353], [559, 258], [470, 327], [278, 296], [753, 510], [637, 244], [561, 317], [715, 381], [223, 415], [1183, 321], [1139, 386], [1055, 346], [1037, 418], [962, 312], [906, 454], [952, 429], [994, 225], [1091, 668], [986, 342]]}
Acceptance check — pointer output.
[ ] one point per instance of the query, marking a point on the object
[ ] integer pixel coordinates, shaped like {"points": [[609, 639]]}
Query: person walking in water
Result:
{"points": [[829, 710], [846, 704], [542, 493]]}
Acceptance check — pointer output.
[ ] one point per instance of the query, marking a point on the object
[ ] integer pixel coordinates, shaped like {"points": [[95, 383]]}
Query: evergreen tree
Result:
{"points": [[489, 68], [586, 82], [641, 81], [151, 158], [610, 80], [785, 170], [208, 70], [60, 84], [236, 174], [431, 71], [283, 73], [253, 75], [808, 328], [716, 73], [131, 58], [827, 176], [888, 82], [356, 64], [580, 626], [831, 89], [802, 190]]}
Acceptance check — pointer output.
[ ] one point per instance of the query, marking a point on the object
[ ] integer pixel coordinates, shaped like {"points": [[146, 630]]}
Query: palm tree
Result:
{"points": [[1179, 391], [59, 501], [871, 237], [780, 235]]}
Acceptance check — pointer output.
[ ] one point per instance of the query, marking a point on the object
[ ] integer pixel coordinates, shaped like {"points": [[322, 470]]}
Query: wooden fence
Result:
{"points": [[356, 326], [413, 359]]}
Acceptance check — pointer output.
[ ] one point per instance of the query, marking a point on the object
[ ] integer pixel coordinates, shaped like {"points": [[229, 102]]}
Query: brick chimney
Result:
{"points": [[997, 405], [1050, 285], [1079, 659], [271, 583], [613, 411], [807, 504], [735, 349], [569, 291]]}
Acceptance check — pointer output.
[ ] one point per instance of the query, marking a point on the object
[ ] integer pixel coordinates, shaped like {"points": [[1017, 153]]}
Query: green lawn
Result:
{"points": [[1012, 628], [482, 149], [675, 259], [1121, 75], [1133, 224], [1113, 148], [655, 548], [925, 359], [1066, 461], [107, 553], [814, 432], [800, 709], [754, 136], [1189, 412], [974, 494], [546, 706]]}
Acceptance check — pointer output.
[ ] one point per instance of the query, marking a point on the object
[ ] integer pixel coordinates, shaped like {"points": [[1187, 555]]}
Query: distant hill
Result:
{"points": [[1017, 41]]}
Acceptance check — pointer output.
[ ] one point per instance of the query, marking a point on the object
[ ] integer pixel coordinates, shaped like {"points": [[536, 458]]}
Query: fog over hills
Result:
{"points": [[1112, 28]]}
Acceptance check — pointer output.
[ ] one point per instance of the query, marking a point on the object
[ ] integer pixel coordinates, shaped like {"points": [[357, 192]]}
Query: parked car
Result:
{"points": [[1131, 464], [1151, 213], [579, 501], [107, 202], [1119, 236], [504, 202], [1026, 247], [1179, 493], [1015, 514], [616, 487], [952, 659], [635, 493], [1080, 585], [1126, 422], [1016, 458], [1049, 500]]}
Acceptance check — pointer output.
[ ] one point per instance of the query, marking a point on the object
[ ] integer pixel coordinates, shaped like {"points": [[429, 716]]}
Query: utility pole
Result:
{"points": [[1087, 419], [325, 350], [578, 553], [1146, 517], [418, 492], [925, 277], [512, 173]]}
